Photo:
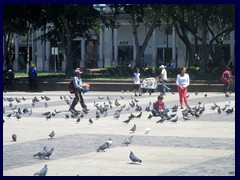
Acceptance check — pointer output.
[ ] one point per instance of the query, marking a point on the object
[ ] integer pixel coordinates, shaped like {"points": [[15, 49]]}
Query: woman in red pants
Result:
{"points": [[182, 82]]}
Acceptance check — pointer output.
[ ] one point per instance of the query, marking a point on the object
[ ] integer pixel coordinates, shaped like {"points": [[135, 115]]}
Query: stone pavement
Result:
{"points": [[203, 146]]}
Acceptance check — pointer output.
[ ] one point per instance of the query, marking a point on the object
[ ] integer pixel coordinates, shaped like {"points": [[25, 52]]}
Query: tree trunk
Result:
{"points": [[204, 50], [69, 67], [181, 32], [140, 50]]}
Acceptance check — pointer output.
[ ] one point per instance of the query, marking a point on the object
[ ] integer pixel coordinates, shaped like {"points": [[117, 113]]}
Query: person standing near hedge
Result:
{"points": [[226, 79], [163, 76], [183, 82], [32, 75], [136, 82]]}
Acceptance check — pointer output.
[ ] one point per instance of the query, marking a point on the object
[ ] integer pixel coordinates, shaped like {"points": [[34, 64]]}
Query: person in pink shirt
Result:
{"points": [[183, 82], [159, 107], [226, 79]]}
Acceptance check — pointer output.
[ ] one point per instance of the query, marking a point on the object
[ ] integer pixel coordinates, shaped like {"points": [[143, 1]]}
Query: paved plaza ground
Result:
{"points": [[203, 146]]}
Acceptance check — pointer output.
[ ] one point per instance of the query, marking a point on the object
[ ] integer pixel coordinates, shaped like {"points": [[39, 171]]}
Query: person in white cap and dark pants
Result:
{"points": [[78, 88], [163, 75]]}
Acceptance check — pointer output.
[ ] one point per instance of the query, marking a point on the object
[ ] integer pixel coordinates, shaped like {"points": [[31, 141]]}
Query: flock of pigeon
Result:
{"points": [[102, 109]]}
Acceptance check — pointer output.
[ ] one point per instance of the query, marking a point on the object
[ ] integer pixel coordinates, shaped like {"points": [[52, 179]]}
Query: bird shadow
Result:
{"points": [[134, 163]]}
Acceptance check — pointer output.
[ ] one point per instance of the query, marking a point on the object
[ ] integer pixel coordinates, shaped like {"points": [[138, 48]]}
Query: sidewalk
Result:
{"points": [[203, 146], [116, 85]]}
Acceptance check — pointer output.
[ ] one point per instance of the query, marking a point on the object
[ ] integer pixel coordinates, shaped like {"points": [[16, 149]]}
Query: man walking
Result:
{"points": [[163, 75]]}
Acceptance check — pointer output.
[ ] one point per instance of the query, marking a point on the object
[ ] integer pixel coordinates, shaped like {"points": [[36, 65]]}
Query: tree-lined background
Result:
{"points": [[70, 21]]}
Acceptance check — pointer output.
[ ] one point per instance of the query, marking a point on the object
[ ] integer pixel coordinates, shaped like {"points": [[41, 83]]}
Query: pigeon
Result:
{"points": [[131, 116], [42, 172], [228, 111], [134, 158], [90, 121], [205, 95], [9, 115], [18, 117], [100, 97], [78, 120], [174, 119], [127, 141], [139, 115], [197, 115], [97, 115], [103, 147], [185, 118], [49, 116], [127, 121], [14, 137], [136, 100], [47, 98], [46, 104], [46, 113], [41, 153], [133, 129], [117, 103], [25, 110], [48, 153], [56, 111], [116, 115], [52, 134], [53, 114], [196, 93], [67, 116], [150, 116], [18, 100], [160, 121], [109, 141], [187, 96], [35, 99], [147, 130], [227, 95], [219, 110]]}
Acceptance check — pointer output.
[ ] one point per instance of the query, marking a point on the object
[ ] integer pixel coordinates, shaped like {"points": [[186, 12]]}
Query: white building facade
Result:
{"points": [[111, 47]]}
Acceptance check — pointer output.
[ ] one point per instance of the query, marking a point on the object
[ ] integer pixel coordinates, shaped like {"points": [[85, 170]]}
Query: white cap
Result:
{"points": [[78, 71], [162, 66]]}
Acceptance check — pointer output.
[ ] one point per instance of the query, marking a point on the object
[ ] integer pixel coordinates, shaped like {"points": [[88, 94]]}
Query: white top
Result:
{"points": [[164, 74], [77, 81], [183, 81], [136, 79]]}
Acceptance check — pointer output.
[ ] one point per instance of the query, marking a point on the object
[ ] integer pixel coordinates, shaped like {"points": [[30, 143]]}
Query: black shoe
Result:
{"points": [[85, 109]]}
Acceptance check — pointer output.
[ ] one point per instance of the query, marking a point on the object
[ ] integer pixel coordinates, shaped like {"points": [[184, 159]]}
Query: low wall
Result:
{"points": [[56, 85]]}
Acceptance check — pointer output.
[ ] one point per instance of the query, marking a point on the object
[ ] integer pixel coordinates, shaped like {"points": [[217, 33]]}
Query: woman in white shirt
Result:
{"points": [[183, 82]]}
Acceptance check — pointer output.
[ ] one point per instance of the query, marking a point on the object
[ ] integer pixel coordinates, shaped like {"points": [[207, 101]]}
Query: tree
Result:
{"points": [[199, 20], [148, 14], [19, 19], [70, 21], [67, 21]]}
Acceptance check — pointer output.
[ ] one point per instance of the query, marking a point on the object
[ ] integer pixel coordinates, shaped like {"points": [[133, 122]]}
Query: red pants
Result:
{"points": [[182, 96]]}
